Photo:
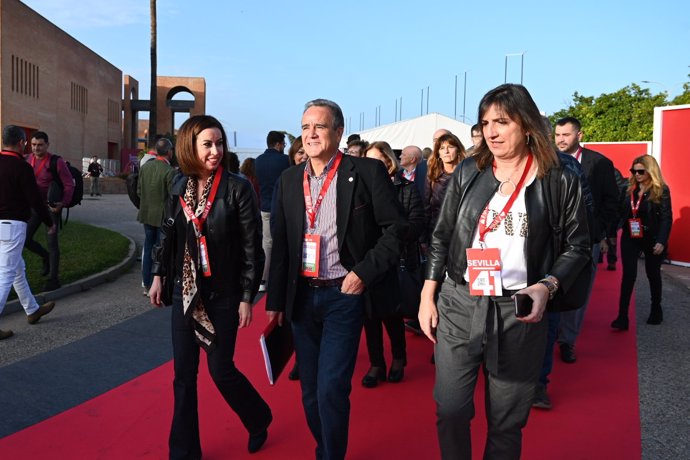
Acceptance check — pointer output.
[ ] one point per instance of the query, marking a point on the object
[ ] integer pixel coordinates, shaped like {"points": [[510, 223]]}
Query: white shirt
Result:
{"points": [[509, 237]]}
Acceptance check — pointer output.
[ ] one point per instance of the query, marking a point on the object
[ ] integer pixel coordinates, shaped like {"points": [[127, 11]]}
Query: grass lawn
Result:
{"points": [[84, 250]]}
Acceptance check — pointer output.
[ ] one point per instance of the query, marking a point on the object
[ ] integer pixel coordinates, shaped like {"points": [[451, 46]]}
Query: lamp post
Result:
{"points": [[522, 66]]}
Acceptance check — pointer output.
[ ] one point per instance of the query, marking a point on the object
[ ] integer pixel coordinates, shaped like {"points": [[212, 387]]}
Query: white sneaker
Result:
{"points": [[262, 286]]}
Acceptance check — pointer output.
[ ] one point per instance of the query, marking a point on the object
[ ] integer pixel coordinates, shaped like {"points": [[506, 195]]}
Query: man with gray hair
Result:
{"points": [[155, 179], [337, 229]]}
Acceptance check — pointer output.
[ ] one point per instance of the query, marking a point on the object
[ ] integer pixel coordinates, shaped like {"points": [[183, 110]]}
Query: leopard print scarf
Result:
{"points": [[192, 304]]}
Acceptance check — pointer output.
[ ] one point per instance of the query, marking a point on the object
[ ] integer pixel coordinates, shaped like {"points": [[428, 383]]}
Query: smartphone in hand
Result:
{"points": [[523, 305]]}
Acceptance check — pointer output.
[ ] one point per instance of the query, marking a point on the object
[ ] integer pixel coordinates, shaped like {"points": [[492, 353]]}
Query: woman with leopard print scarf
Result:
{"points": [[210, 250]]}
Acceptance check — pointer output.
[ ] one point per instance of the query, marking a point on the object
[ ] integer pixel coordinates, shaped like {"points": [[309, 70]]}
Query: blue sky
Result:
{"points": [[263, 60]]}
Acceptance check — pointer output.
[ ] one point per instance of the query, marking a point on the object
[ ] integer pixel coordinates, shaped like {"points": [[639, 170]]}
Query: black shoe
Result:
{"points": [[414, 327], [5, 334], [541, 398], [568, 353], [256, 441], [655, 317], [374, 376], [46, 267], [621, 323], [397, 371], [51, 285], [294, 373], [43, 310]]}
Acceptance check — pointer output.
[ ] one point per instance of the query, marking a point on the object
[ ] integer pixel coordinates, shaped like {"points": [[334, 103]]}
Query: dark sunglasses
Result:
{"points": [[638, 171]]}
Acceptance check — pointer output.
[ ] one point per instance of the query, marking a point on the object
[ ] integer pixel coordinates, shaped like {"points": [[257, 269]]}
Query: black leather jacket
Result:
{"points": [[233, 235], [656, 217], [468, 193]]}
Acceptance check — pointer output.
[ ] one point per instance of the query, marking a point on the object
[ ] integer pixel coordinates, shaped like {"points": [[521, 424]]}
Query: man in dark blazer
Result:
{"points": [[602, 183], [337, 229]]}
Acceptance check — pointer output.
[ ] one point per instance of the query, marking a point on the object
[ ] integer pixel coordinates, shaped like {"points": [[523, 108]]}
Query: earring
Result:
{"points": [[528, 139]]}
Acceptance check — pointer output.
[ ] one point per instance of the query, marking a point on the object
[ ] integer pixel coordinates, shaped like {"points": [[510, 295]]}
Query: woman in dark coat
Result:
{"points": [[210, 255], [409, 260], [647, 223]]}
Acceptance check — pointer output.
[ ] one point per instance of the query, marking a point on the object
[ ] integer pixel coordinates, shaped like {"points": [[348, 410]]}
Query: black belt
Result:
{"points": [[322, 283]]}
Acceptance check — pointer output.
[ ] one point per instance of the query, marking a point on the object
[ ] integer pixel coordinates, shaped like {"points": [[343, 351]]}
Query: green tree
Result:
{"points": [[624, 115], [683, 98]]}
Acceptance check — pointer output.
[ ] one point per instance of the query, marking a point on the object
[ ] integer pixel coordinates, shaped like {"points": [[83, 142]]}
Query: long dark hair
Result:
{"points": [[516, 102], [435, 164]]}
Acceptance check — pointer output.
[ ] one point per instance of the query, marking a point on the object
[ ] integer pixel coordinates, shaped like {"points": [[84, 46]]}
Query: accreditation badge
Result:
{"points": [[311, 248], [203, 257], [635, 228], [484, 271]]}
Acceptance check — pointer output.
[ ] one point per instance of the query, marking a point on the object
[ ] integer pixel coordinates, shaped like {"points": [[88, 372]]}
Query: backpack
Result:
{"points": [[133, 188], [76, 178]]}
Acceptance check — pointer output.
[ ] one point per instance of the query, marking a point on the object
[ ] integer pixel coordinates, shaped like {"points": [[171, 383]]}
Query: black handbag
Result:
{"points": [[576, 295], [410, 291]]}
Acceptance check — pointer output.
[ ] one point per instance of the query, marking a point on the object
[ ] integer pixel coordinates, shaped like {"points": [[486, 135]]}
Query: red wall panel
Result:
{"points": [[675, 166], [621, 153]]}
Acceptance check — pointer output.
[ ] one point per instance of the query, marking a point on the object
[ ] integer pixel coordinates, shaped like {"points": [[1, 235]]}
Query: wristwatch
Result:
{"points": [[551, 283]]}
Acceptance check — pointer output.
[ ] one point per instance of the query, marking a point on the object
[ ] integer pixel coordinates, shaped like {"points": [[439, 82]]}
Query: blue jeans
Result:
{"points": [[327, 325], [152, 236], [554, 319], [571, 321]]}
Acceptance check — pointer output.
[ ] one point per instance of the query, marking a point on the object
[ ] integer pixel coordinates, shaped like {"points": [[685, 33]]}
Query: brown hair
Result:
{"points": [[517, 104], [294, 148], [187, 157], [389, 158], [434, 163]]}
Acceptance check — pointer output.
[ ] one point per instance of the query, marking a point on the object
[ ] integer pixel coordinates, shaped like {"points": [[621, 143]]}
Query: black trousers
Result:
{"points": [[237, 391], [630, 252], [53, 251], [373, 329]]}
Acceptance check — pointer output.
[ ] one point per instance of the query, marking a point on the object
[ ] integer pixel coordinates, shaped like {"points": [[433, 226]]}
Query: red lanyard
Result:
{"points": [[40, 166], [199, 221], [10, 153], [578, 154], [633, 205], [312, 209], [483, 229], [162, 159]]}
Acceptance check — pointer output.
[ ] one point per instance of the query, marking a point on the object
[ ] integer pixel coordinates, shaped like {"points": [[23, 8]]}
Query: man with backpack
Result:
{"points": [[57, 192]]}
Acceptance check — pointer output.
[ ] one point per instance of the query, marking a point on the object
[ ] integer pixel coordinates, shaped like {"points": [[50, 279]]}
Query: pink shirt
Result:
{"points": [[44, 177]]}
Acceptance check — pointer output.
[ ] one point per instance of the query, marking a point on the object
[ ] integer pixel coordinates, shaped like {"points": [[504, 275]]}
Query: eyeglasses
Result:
{"points": [[640, 172]]}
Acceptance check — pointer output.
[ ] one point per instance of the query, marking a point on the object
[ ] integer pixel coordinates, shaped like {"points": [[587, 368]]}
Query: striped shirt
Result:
{"points": [[325, 225]]}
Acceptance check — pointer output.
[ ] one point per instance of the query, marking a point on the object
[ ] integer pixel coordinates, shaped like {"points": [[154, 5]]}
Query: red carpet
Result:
{"points": [[595, 415]]}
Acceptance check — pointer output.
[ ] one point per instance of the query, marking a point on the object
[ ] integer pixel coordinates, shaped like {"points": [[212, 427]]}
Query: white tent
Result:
{"points": [[417, 131]]}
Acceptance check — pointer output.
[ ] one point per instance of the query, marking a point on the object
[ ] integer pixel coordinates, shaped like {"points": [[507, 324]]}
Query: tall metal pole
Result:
{"points": [[455, 107], [396, 109], [505, 71], [464, 95], [421, 104], [522, 65], [427, 100], [400, 108]]}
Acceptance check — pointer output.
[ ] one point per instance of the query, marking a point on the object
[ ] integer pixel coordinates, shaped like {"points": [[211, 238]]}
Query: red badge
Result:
{"points": [[311, 248], [484, 271]]}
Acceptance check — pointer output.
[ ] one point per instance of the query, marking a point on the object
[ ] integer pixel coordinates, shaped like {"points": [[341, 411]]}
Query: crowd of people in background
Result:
{"points": [[370, 238]]}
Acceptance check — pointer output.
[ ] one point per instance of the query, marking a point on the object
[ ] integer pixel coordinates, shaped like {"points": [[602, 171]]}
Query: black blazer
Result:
{"points": [[370, 229], [602, 183]]}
